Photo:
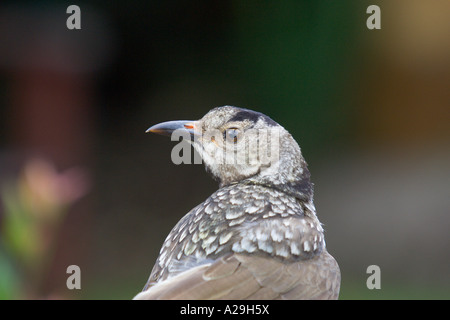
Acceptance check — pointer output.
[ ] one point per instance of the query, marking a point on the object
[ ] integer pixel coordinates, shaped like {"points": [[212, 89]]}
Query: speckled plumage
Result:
{"points": [[241, 218], [262, 218]]}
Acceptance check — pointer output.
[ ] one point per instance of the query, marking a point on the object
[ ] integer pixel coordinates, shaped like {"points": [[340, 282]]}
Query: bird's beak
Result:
{"points": [[167, 128]]}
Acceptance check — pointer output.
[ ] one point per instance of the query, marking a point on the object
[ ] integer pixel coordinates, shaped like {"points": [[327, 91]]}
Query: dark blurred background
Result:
{"points": [[81, 183]]}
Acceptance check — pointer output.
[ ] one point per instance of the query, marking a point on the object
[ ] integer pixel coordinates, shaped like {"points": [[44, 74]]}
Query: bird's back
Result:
{"points": [[244, 232]]}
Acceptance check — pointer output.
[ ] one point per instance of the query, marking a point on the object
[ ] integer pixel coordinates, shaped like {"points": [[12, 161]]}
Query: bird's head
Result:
{"points": [[241, 145]]}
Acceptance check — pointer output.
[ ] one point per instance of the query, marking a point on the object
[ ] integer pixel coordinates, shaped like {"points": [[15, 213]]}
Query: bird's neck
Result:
{"points": [[300, 187]]}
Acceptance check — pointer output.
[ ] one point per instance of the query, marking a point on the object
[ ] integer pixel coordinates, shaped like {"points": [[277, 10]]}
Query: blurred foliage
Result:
{"points": [[299, 55], [34, 206]]}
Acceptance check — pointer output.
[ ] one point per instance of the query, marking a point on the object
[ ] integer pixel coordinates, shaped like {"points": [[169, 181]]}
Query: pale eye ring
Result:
{"points": [[232, 135]]}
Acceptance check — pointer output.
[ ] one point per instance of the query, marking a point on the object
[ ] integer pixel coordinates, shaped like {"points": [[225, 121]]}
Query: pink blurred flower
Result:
{"points": [[48, 191]]}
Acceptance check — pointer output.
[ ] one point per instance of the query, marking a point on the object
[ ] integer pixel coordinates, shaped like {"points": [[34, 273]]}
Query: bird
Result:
{"points": [[258, 236]]}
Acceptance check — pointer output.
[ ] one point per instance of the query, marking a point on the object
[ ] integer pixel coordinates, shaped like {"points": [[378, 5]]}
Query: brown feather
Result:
{"points": [[239, 276]]}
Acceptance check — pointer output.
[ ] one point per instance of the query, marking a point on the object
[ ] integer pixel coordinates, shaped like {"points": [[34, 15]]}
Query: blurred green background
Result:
{"points": [[81, 183]]}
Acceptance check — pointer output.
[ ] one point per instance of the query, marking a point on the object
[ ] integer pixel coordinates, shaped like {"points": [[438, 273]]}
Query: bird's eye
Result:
{"points": [[231, 134]]}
